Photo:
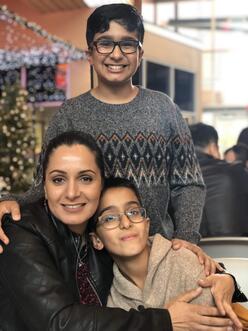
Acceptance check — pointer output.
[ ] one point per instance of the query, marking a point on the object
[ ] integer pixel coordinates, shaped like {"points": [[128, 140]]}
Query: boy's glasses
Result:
{"points": [[107, 46], [112, 220]]}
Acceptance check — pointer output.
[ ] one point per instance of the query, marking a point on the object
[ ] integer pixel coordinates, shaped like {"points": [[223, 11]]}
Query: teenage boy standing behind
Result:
{"points": [[141, 132]]}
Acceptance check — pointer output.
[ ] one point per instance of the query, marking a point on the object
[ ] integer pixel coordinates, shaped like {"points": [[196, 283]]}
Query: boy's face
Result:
{"points": [[128, 239], [117, 67]]}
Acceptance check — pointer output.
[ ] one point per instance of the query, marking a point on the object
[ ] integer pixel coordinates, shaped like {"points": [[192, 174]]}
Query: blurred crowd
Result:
{"points": [[226, 206]]}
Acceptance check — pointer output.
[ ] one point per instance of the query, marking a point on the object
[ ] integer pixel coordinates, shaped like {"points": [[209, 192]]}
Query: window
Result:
{"points": [[137, 78], [46, 83], [158, 77], [184, 90]]}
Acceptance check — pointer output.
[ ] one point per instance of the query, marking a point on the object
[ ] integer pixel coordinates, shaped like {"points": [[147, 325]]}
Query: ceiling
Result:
{"points": [[48, 6]]}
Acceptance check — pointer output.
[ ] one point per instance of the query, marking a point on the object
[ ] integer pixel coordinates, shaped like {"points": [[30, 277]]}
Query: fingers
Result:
{"points": [[15, 213], [176, 244], [3, 237], [190, 295], [231, 314], [219, 305], [10, 207]]}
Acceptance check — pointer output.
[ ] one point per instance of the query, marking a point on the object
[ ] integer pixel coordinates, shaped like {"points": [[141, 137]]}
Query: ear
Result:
{"points": [[214, 150], [96, 241], [89, 56]]}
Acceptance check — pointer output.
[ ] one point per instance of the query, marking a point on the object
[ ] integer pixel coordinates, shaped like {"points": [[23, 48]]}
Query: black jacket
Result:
{"points": [[38, 288], [225, 211]]}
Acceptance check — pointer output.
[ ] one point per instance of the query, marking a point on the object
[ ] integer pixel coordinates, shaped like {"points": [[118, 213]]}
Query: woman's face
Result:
{"points": [[73, 185]]}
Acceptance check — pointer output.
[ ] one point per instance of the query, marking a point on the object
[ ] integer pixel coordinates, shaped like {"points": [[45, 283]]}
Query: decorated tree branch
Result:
{"points": [[17, 142]]}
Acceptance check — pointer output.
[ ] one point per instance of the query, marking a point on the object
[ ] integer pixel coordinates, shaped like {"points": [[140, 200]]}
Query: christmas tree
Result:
{"points": [[17, 141]]}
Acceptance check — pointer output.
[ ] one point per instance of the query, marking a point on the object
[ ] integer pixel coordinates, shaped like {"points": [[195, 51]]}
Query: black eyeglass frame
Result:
{"points": [[101, 222], [137, 43]]}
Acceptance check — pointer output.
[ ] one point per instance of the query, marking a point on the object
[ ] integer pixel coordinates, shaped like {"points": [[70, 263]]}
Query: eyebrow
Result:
{"points": [[129, 203], [65, 172], [112, 39]]}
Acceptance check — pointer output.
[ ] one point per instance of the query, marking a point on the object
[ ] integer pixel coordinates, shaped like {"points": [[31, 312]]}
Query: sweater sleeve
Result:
{"points": [[186, 182], [43, 299]]}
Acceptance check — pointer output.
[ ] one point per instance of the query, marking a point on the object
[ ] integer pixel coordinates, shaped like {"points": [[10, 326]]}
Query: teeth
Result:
{"points": [[116, 67], [73, 206]]}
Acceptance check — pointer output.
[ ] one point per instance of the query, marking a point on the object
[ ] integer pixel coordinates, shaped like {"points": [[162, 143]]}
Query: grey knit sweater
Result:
{"points": [[148, 141]]}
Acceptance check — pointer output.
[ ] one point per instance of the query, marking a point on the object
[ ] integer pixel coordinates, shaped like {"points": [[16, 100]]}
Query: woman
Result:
{"points": [[50, 278]]}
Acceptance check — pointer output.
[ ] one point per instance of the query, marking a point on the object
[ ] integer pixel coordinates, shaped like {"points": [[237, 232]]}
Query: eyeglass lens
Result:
{"points": [[135, 215], [105, 46]]}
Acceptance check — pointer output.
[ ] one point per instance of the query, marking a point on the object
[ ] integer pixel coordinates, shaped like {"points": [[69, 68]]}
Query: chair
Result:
{"points": [[219, 247]]}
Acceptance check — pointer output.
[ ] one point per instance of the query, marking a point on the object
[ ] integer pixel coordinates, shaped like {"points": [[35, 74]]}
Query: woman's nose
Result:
{"points": [[72, 190]]}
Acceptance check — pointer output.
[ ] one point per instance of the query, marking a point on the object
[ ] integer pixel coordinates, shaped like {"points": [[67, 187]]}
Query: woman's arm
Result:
{"points": [[44, 300]]}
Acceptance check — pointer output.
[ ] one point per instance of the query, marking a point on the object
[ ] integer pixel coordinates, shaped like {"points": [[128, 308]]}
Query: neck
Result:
{"points": [[135, 268], [117, 94]]}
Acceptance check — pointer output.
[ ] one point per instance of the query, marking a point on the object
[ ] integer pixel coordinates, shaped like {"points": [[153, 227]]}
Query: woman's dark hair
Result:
{"points": [[124, 14], [69, 139], [114, 182]]}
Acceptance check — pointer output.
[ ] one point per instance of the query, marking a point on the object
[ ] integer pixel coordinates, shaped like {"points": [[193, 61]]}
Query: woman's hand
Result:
{"points": [[222, 288], [8, 207], [210, 265], [191, 317]]}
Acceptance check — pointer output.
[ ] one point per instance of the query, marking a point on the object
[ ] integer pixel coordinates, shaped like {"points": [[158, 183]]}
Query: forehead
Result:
{"points": [[79, 155], [117, 196], [116, 31]]}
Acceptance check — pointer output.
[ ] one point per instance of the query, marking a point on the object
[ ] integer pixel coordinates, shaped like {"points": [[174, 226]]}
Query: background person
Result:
{"points": [[141, 132], [226, 208], [237, 154]]}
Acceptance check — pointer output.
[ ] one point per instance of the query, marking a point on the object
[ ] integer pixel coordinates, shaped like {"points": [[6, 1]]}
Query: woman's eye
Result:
{"points": [[86, 179], [58, 180]]}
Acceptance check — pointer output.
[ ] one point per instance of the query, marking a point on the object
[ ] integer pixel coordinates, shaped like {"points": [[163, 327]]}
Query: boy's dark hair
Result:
{"points": [[114, 182], [71, 138], [124, 14], [203, 134]]}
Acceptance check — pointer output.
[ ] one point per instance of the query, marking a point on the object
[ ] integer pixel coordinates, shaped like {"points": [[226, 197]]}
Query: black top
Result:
{"points": [[226, 207], [38, 287]]}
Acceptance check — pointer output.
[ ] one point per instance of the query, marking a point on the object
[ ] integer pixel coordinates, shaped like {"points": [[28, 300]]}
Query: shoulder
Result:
{"points": [[185, 258], [76, 102], [152, 96], [34, 219]]}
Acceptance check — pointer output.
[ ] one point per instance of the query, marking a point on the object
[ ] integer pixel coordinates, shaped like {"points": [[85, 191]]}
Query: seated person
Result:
{"points": [[51, 278], [147, 271]]}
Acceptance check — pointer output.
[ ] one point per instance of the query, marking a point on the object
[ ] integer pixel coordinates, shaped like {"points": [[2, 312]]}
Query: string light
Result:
{"points": [[38, 47]]}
